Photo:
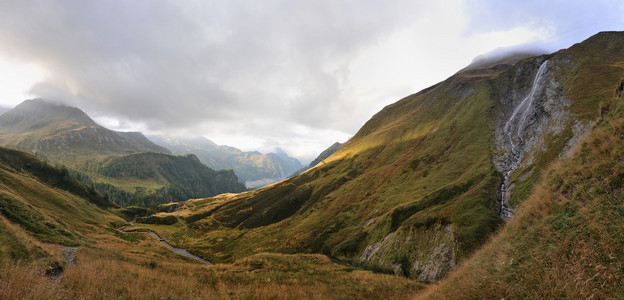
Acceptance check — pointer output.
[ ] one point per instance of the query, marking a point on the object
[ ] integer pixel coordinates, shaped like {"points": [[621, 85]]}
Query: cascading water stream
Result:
{"points": [[513, 130]]}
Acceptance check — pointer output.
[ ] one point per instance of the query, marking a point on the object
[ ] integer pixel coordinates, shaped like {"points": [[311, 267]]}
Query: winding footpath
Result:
{"points": [[55, 270]]}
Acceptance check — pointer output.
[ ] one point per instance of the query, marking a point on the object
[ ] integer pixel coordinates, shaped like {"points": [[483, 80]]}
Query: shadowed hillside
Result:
{"points": [[172, 178]]}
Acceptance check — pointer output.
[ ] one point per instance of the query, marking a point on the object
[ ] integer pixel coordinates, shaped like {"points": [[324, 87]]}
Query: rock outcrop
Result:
{"points": [[426, 254]]}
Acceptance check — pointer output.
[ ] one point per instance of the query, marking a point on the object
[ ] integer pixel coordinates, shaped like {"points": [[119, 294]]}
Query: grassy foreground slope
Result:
{"points": [[42, 204]]}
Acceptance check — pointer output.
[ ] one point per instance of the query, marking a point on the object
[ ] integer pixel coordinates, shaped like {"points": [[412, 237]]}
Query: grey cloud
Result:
{"points": [[252, 68], [174, 64]]}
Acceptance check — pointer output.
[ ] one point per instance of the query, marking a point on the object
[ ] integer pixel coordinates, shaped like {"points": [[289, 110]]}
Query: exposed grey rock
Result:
{"points": [[69, 253], [580, 130], [371, 249]]}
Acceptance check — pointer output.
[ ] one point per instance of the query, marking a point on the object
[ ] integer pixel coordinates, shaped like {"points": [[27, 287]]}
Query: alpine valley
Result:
{"points": [[503, 181]]}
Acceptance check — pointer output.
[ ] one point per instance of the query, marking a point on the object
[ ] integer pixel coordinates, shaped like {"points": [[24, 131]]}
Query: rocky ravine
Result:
{"points": [[531, 115]]}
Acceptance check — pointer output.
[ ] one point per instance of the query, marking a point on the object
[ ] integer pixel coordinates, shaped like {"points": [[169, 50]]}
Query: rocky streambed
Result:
{"points": [[178, 251]]}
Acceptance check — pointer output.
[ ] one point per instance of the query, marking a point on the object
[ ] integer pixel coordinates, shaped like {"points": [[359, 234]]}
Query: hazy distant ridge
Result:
{"points": [[252, 167]]}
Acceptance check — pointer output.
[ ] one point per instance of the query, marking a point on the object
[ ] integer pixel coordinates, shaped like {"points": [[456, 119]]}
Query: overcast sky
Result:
{"points": [[262, 74]]}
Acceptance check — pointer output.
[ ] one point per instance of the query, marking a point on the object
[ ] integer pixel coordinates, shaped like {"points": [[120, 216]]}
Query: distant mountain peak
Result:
{"points": [[279, 151], [62, 131], [39, 113]]}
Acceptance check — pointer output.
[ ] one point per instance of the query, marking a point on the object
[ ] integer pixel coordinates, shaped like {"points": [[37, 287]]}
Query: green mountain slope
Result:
{"points": [[40, 203], [428, 179], [14, 160], [66, 135], [251, 167]]}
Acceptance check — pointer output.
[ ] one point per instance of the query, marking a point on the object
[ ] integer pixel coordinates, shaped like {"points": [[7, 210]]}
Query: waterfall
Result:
{"points": [[521, 114], [513, 130]]}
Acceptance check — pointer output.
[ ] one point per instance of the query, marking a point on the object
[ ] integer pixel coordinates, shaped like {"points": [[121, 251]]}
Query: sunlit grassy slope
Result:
{"points": [[141, 268], [422, 163]]}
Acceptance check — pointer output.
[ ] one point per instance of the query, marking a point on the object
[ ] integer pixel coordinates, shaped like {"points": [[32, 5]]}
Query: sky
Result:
{"points": [[257, 75]]}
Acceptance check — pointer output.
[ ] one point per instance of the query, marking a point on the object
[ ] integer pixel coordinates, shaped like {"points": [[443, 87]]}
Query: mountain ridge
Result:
{"points": [[419, 192], [323, 155]]}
